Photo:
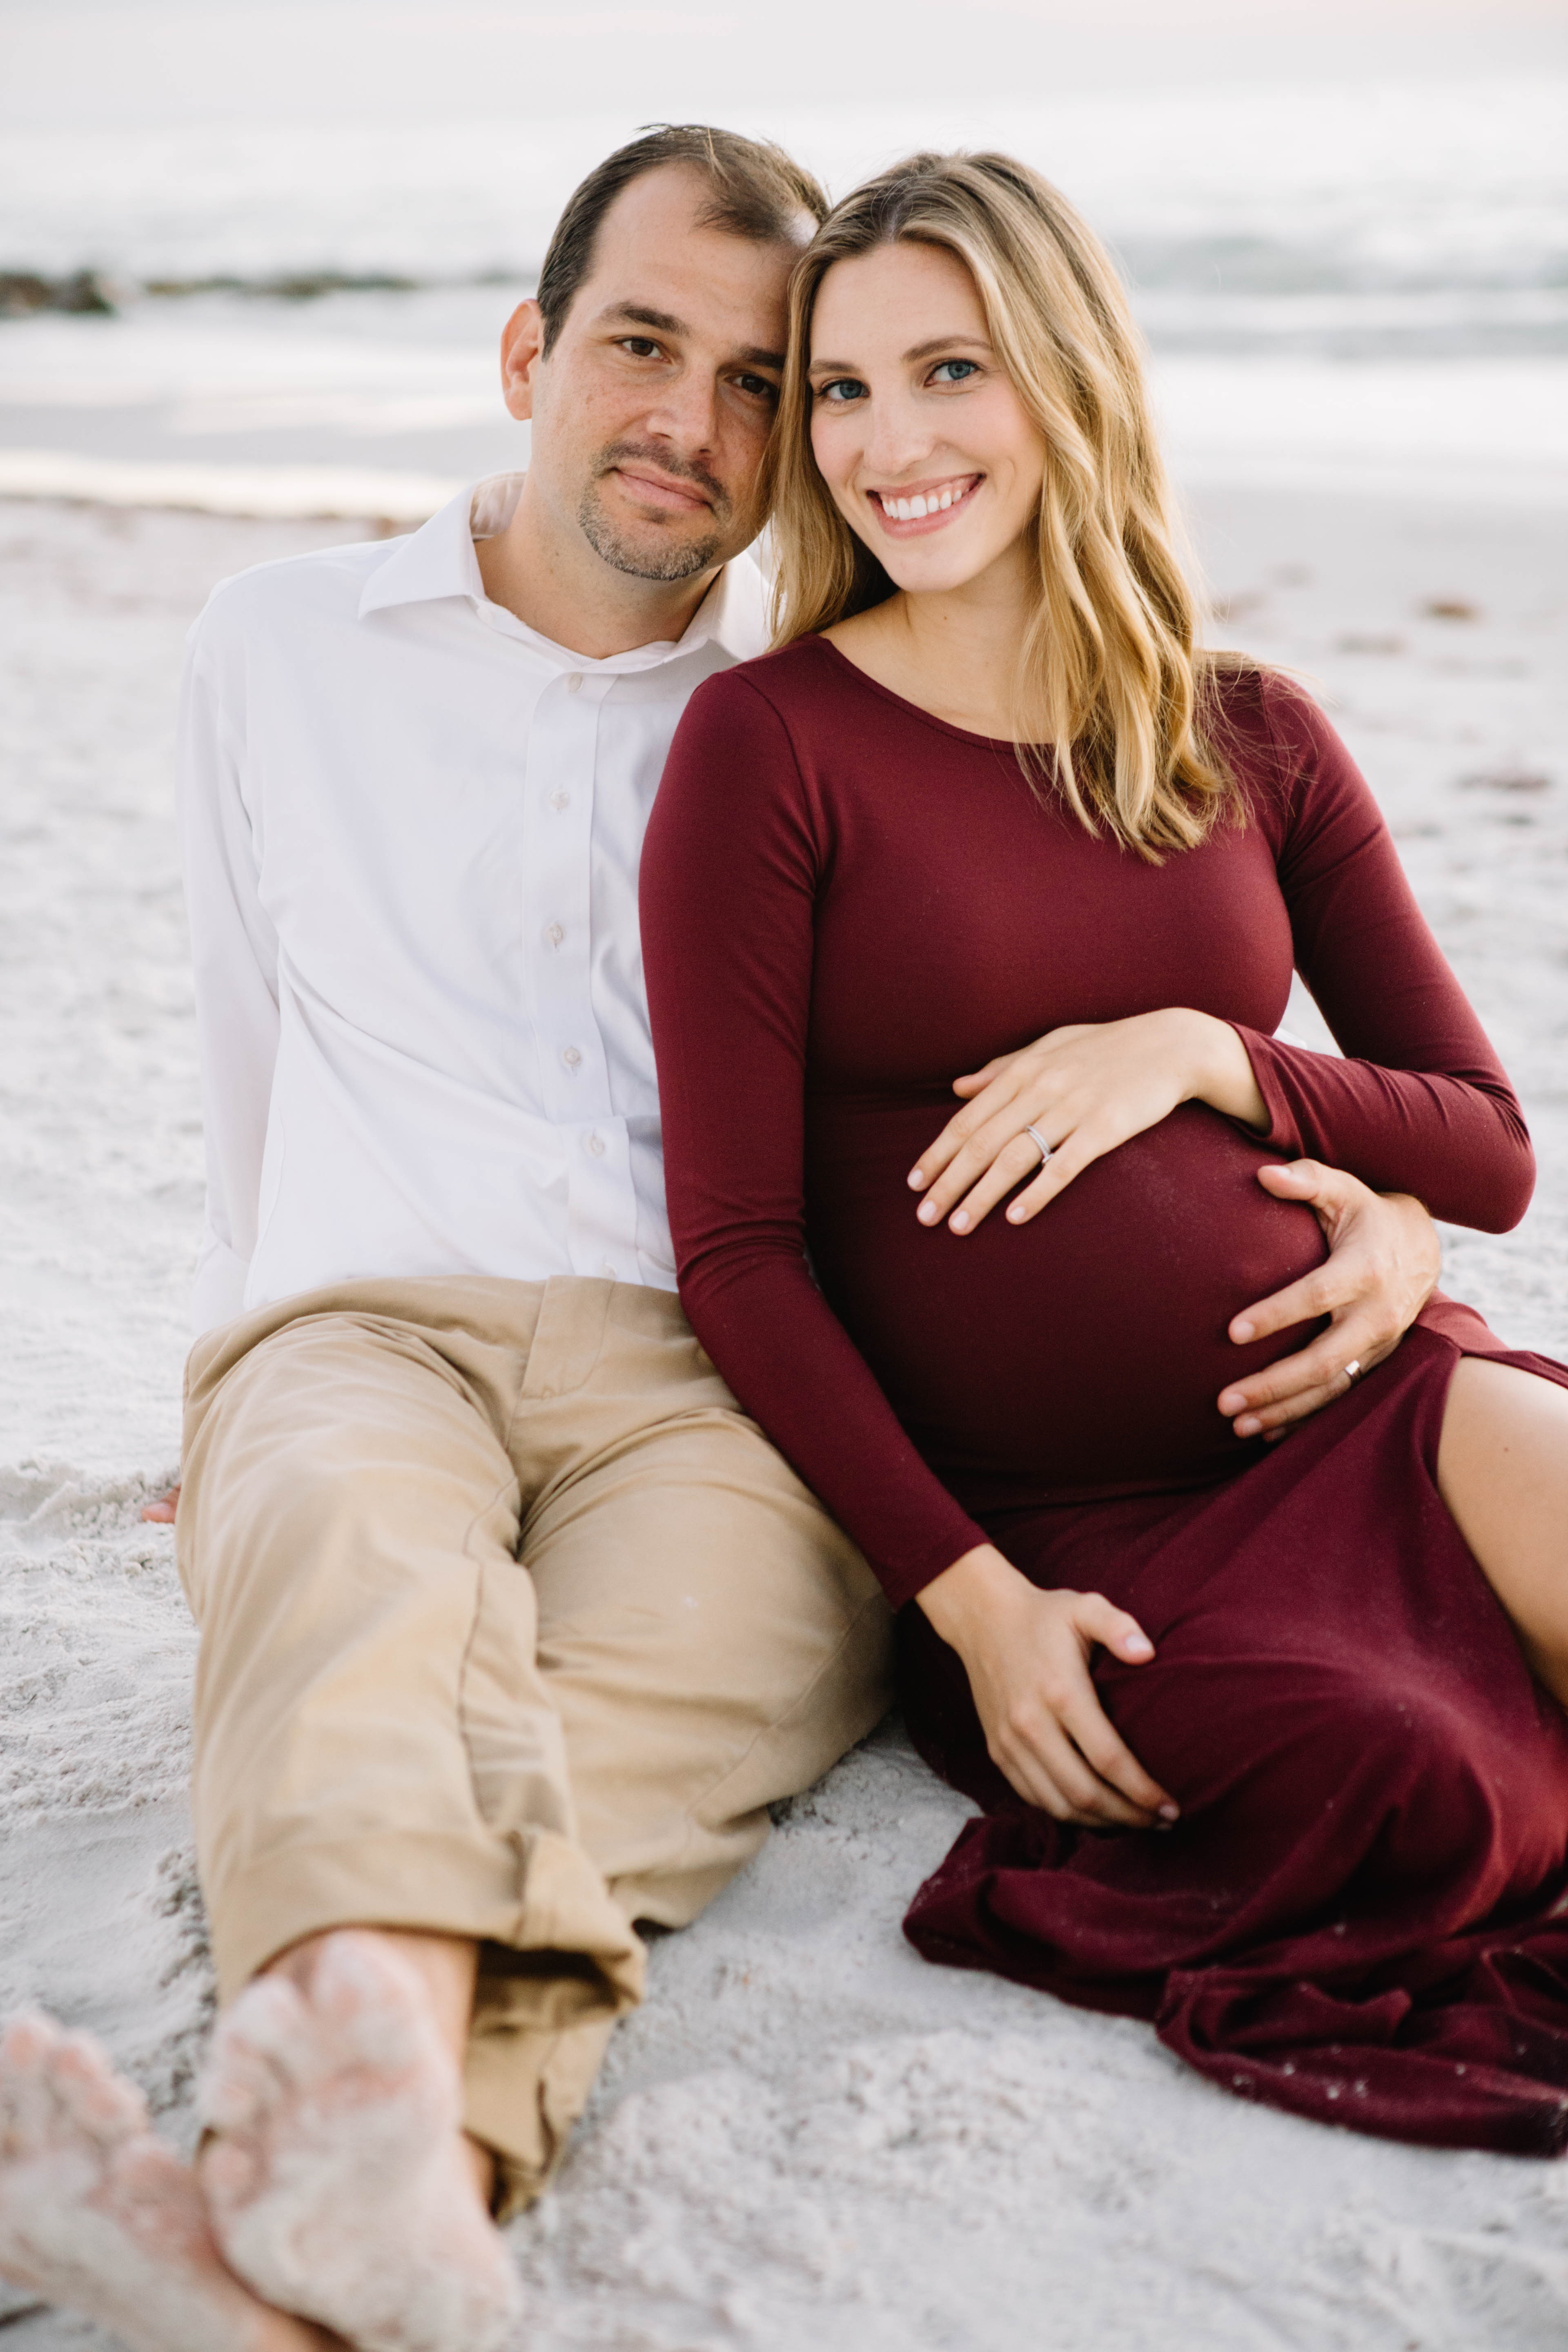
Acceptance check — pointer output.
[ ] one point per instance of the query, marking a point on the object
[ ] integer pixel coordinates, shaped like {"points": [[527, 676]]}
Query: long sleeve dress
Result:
{"points": [[846, 903]]}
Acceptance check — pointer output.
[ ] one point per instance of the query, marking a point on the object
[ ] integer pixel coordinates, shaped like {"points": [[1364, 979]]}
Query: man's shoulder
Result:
{"points": [[291, 592]]}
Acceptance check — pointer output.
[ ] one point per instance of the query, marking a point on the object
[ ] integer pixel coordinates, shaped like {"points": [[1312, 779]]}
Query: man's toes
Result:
{"points": [[271, 2025], [27, 2039], [229, 2172], [240, 2086], [372, 2004], [99, 2103], [28, 2104]]}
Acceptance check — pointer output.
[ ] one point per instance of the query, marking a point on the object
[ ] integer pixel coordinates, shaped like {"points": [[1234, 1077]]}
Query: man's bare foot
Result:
{"points": [[96, 2214], [338, 2180]]}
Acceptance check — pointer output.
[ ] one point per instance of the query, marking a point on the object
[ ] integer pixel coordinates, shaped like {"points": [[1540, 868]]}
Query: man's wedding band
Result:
{"points": [[1036, 1137], [1352, 1371]]}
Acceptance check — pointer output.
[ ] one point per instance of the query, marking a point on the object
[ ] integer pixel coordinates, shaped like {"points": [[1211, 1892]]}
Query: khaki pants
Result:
{"points": [[512, 1627]]}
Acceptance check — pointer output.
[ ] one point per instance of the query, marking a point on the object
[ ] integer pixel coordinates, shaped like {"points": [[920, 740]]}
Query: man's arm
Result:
{"points": [[1383, 1266], [233, 948]]}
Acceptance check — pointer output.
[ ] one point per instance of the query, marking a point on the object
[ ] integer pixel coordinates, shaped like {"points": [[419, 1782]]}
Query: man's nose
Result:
{"points": [[685, 413]]}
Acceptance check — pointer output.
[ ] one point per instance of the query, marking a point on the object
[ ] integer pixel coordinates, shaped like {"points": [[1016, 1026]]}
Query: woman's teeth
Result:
{"points": [[911, 510]]}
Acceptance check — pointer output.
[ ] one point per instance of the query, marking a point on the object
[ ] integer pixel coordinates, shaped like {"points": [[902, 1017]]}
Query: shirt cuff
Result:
{"points": [[217, 1292]]}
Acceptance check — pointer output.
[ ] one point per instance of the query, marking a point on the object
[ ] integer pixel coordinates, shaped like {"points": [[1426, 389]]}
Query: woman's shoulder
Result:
{"points": [[1294, 771], [1268, 727], [790, 677], [785, 702]]}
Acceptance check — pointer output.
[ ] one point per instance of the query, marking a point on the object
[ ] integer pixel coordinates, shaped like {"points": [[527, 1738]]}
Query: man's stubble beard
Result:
{"points": [[675, 561]]}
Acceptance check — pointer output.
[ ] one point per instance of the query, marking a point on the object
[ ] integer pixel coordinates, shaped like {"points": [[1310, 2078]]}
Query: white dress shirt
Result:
{"points": [[412, 828]]}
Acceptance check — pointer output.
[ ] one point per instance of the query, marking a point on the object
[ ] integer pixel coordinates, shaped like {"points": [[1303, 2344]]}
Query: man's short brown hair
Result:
{"points": [[757, 191]]}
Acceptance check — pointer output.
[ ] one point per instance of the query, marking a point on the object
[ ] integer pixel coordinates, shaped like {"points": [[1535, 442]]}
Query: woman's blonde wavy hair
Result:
{"points": [[1110, 659]]}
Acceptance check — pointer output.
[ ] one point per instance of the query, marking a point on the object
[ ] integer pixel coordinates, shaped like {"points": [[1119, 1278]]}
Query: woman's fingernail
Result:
{"points": [[1017, 1215], [1139, 1645], [1249, 1425], [959, 1221], [927, 1211], [916, 1180], [1169, 1813], [1241, 1329], [1231, 1401]]}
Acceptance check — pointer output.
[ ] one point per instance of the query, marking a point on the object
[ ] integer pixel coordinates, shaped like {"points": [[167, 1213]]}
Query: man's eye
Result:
{"points": [[951, 371], [641, 347], [758, 387], [842, 389]]}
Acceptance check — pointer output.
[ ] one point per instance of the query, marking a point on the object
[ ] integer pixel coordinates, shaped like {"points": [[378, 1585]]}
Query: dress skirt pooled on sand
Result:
{"points": [[1359, 1915], [1362, 1912]]}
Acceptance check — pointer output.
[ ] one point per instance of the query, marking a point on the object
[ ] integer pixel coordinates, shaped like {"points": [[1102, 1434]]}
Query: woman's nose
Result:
{"points": [[900, 437]]}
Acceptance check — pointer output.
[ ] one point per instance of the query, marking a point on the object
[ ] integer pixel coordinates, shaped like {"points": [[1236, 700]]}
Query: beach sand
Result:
{"points": [[808, 2136]]}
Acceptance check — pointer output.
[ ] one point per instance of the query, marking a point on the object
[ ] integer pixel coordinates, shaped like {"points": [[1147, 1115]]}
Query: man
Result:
{"points": [[512, 1625]]}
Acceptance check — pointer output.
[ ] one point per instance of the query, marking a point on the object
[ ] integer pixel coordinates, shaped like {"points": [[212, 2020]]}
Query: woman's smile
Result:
{"points": [[912, 508]]}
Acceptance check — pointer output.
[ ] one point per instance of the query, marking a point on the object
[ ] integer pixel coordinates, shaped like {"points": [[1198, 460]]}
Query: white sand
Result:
{"points": [[808, 2136]]}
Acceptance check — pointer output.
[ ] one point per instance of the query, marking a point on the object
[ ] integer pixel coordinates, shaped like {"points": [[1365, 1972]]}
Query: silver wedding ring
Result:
{"points": [[1352, 1371], [1036, 1137]]}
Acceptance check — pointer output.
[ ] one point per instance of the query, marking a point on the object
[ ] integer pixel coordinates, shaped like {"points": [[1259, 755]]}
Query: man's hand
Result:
{"points": [[1382, 1265], [1026, 1654]]}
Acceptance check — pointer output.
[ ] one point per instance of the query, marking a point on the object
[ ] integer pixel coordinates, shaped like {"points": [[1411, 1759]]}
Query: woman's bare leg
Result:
{"points": [[1502, 1470], [337, 2174]]}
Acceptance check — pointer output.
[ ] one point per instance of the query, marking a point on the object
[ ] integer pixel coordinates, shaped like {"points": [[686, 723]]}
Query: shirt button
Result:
{"points": [[571, 1058], [574, 681], [560, 798], [593, 1145], [554, 934]]}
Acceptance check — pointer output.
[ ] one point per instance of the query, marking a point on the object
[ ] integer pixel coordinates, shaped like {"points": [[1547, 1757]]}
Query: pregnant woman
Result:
{"points": [[1267, 1738]]}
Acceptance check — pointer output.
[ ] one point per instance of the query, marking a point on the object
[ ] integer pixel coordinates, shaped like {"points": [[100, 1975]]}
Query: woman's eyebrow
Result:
{"points": [[921, 352], [945, 343]]}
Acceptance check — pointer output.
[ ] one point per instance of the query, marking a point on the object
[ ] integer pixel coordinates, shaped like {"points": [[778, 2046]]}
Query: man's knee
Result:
{"points": [[330, 1440]]}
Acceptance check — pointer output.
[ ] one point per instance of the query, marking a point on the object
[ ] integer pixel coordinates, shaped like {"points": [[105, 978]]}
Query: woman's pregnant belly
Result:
{"points": [[1084, 1350]]}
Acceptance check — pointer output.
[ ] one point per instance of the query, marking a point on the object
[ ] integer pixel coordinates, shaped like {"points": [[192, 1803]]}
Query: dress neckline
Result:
{"points": [[901, 702]]}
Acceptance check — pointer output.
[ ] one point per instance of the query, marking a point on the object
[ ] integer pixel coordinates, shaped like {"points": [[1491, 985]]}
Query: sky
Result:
{"points": [[117, 62]]}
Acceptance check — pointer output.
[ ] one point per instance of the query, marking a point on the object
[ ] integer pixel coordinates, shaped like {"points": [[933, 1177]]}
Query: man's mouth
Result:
{"points": [[655, 489], [915, 506]]}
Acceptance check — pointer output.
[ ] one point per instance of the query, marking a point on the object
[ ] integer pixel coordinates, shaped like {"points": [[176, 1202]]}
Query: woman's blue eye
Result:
{"points": [[942, 372], [844, 388]]}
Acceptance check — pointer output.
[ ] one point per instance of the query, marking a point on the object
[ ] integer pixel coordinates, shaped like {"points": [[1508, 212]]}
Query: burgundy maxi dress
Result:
{"points": [[1362, 1913]]}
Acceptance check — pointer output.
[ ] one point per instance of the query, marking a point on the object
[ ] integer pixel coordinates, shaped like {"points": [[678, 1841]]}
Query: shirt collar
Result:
{"points": [[438, 559]]}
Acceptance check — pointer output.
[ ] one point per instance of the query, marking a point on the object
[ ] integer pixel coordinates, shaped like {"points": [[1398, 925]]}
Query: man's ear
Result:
{"points": [[521, 345]]}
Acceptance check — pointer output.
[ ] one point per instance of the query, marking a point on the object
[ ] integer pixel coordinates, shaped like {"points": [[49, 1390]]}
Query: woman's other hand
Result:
{"points": [[1385, 1258], [1085, 1090], [1026, 1654]]}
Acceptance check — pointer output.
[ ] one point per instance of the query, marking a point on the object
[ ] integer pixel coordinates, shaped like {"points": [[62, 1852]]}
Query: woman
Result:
{"points": [[986, 771]]}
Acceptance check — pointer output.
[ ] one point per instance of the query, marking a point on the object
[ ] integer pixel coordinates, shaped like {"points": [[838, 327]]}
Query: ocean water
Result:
{"points": [[1364, 281]]}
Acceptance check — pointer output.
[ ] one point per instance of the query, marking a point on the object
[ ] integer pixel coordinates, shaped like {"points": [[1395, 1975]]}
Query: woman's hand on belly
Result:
{"points": [[1084, 1090], [1026, 1655]]}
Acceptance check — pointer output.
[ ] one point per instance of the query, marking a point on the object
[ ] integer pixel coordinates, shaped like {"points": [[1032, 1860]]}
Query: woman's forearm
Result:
{"points": [[1221, 1071]]}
